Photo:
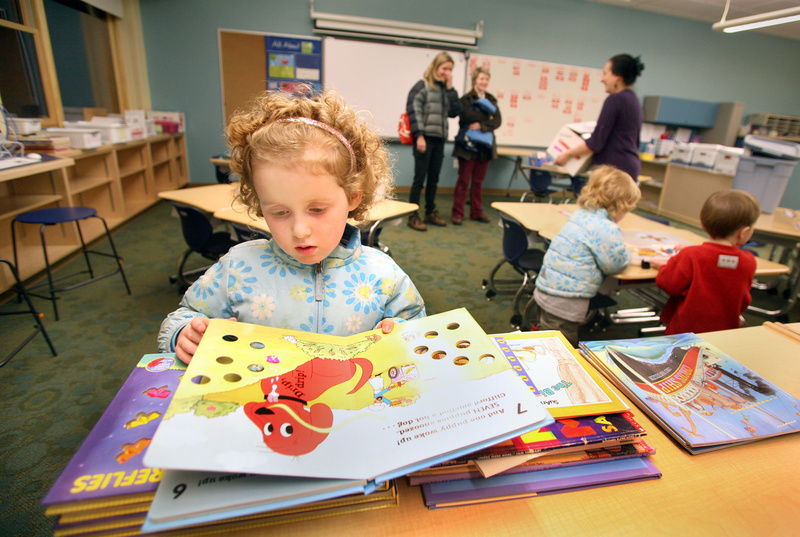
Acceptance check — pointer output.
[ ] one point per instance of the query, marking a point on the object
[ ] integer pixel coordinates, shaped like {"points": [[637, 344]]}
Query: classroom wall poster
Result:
{"points": [[292, 61]]}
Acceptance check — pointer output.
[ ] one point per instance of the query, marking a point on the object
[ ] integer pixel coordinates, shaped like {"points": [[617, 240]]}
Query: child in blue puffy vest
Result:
{"points": [[587, 249]]}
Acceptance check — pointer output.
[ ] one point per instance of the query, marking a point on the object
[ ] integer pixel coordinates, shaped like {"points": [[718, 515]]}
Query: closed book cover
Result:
{"points": [[108, 465], [546, 462], [557, 373], [132, 524], [702, 397], [529, 484], [369, 406], [564, 435]]}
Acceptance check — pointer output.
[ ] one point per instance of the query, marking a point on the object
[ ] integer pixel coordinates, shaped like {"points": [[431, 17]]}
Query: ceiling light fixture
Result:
{"points": [[387, 30], [752, 22]]}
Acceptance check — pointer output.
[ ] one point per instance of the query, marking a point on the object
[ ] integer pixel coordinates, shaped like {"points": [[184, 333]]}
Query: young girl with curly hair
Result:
{"points": [[307, 165]]}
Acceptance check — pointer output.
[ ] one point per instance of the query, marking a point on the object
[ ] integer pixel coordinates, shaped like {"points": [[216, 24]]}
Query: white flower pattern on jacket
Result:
{"points": [[350, 291], [586, 249]]}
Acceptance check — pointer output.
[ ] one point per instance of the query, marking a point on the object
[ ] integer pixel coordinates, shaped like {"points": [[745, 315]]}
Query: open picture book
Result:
{"points": [[652, 245], [369, 406]]}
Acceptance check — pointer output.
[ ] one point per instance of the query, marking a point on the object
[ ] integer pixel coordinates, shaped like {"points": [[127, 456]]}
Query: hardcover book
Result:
{"points": [[702, 397], [107, 469], [652, 245], [131, 524], [529, 484], [190, 498], [370, 406], [545, 462], [563, 436], [557, 373]]}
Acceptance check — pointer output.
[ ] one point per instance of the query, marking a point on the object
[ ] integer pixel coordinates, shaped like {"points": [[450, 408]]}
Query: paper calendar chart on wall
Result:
{"points": [[376, 77], [536, 98]]}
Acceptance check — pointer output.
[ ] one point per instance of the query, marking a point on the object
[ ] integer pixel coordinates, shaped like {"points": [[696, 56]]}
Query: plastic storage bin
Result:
{"points": [[765, 178]]}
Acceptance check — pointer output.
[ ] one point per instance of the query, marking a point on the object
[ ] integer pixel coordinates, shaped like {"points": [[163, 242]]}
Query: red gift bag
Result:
{"points": [[404, 130]]}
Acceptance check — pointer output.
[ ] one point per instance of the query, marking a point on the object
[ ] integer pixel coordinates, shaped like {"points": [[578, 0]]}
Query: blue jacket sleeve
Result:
{"points": [[197, 302]]}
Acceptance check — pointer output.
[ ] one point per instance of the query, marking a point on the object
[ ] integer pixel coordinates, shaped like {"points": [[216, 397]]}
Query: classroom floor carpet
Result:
{"points": [[51, 403]]}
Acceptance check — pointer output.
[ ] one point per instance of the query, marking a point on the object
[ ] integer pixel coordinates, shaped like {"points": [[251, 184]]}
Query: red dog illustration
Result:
{"points": [[288, 425]]}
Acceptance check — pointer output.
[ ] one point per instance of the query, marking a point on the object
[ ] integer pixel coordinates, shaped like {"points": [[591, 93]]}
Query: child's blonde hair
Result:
{"points": [[254, 135], [612, 189], [727, 211], [430, 72]]}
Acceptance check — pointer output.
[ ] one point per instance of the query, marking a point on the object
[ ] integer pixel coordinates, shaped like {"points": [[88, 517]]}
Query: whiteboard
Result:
{"points": [[536, 98], [377, 77]]}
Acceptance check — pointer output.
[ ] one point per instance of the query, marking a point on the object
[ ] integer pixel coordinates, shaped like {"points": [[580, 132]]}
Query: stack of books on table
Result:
{"points": [[594, 442], [269, 425], [47, 144], [107, 490], [699, 395]]}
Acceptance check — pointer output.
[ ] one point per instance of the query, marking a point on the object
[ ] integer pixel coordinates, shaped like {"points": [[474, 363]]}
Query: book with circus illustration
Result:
{"points": [[369, 406], [557, 373], [701, 396]]}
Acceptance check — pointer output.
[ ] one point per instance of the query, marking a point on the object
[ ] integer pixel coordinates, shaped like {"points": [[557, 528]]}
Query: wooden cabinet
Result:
{"points": [[678, 191], [119, 180]]}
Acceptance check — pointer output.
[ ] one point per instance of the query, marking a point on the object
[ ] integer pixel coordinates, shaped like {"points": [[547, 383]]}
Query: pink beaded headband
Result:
{"points": [[327, 128]]}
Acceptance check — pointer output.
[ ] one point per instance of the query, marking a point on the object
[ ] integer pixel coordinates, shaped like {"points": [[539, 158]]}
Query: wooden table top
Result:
{"points": [[217, 199], [782, 222], [547, 219]]}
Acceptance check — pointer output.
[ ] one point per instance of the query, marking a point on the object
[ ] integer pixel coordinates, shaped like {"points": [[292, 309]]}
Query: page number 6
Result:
{"points": [[178, 490]]}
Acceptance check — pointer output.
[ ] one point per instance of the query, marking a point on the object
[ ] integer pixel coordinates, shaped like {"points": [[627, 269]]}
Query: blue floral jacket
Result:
{"points": [[349, 292], [588, 247]]}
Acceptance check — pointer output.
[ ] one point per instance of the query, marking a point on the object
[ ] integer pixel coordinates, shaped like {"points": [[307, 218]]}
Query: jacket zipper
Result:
{"points": [[318, 295]]}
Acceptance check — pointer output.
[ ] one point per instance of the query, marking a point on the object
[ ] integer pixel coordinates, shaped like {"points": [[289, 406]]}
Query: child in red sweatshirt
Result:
{"points": [[709, 285]]}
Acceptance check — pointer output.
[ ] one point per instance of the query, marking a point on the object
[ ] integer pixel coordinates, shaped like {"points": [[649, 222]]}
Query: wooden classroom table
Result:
{"points": [[752, 489], [779, 227], [217, 199], [514, 154], [208, 198], [547, 219]]}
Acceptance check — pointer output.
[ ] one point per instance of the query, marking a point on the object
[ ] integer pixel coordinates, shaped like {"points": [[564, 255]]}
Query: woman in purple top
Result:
{"points": [[615, 139]]}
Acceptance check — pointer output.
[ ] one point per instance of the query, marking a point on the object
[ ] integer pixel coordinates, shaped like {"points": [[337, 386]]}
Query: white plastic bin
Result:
{"points": [[765, 178]]}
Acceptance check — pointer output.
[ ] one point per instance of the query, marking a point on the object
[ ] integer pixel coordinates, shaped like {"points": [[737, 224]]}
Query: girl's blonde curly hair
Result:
{"points": [[254, 136], [612, 189]]}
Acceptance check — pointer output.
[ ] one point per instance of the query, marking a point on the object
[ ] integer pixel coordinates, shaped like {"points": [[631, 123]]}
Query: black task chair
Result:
{"points": [[523, 259], [540, 181], [244, 233], [200, 237], [37, 328]]}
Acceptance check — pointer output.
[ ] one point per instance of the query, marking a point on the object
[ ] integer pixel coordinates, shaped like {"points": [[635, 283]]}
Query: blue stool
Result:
{"points": [[63, 215], [38, 327]]}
